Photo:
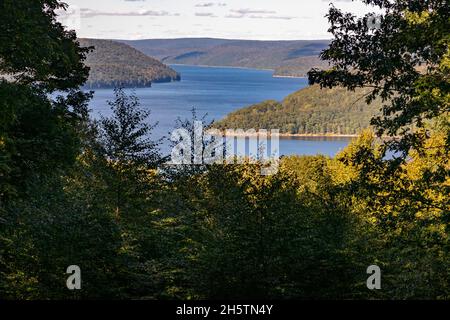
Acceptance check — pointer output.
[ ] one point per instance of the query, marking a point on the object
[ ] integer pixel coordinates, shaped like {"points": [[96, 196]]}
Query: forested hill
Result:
{"points": [[113, 64], [287, 58], [299, 67], [308, 111]]}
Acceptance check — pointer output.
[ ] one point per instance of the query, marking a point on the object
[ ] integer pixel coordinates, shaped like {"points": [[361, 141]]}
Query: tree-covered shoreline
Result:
{"points": [[309, 111], [113, 64]]}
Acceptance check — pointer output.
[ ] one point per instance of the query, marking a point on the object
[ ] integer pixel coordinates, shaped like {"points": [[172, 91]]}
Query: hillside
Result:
{"points": [[299, 67], [308, 111], [285, 56], [113, 63]]}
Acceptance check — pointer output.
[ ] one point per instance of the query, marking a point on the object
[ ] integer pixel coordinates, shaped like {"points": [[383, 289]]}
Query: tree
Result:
{"points": [[36, 49], [125, 143], [244, 235], [52, 226], [37, 58], [405, 61], [197, 150], [42, 116]]}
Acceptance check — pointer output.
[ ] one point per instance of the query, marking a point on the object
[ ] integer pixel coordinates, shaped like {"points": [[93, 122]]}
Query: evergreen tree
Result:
{"points": [[125, 144]]}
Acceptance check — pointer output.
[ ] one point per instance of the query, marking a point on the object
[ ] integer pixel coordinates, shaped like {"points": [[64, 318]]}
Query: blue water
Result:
{"points": [[216, 92]]}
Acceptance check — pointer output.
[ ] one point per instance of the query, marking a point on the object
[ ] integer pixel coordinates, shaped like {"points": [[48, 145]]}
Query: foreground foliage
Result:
{"points": [[99, 195], [310, 231]]}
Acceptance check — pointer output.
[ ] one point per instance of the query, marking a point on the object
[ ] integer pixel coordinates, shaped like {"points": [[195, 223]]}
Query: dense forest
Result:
{"points": [[311, 110], [99, 195], [287, 58], [114, 64]]}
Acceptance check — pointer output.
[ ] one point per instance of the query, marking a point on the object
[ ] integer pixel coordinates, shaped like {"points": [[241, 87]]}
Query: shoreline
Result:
{"points": [[292, 77], [213, 132], [243, 68], [283, 135], [225, 67]]}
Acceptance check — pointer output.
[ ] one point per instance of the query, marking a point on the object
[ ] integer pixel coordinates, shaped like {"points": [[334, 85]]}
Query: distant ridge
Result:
{"points": [[117, 64], [286, 57]]}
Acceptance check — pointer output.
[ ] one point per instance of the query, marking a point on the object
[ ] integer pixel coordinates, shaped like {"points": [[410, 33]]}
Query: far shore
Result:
{"points": [[294, 77], [225, 67], [281, 135], [218, 132], [234, 67]]}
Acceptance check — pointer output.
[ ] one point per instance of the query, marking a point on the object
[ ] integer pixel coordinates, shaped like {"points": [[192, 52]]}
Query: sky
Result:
{"points": [[230, 19]]}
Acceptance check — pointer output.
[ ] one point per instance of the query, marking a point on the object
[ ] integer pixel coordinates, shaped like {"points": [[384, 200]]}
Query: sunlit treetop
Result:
{"points": [[402, 55]]}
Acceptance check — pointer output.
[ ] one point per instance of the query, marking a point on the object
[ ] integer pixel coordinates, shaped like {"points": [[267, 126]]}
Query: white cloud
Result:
{"points": [[252, 11], [89, 13], [272, 17], [205, 14], [256, 19], [210, 4]]}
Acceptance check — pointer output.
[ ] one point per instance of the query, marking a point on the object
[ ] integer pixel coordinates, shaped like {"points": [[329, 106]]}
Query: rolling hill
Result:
{"points": [[113, 63], [308, 111], [299, 67], [287, 58]]}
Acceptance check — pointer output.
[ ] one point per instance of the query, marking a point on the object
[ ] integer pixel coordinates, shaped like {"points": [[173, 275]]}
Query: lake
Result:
{"points": [[217, 91]]}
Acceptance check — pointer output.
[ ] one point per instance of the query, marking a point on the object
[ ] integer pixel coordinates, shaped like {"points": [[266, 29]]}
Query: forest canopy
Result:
{"points": [[310, 110]]}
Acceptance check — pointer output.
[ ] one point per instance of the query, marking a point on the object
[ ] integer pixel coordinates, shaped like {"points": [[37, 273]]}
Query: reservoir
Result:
{"points": [[215, 92]]}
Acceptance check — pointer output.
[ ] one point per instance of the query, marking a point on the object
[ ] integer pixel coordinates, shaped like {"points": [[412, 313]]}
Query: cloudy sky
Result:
{"points": [[233, 19]]}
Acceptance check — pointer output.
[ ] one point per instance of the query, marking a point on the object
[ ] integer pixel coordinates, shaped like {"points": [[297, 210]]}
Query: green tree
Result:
{"points": [[405, 61], [405, 212], [251, 236], [126, 146], [37, 58], [42, 116]]}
